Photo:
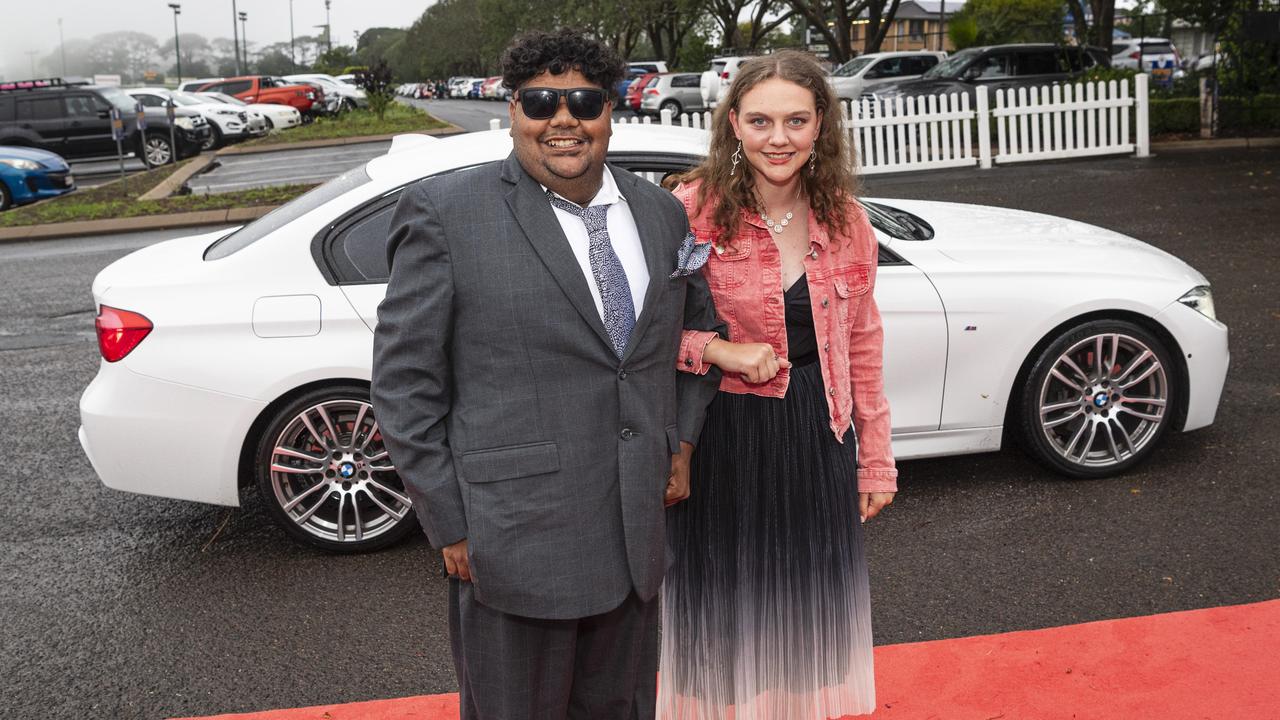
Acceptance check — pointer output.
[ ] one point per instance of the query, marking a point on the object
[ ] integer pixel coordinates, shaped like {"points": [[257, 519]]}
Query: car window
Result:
{"points": [[993, 66], [233, 88], [685, 81], [285, 214], [150, 100], [1037, 62], [853, 67], [718, 67], [918, 64], [952, 66], [40, 109], [886, 68], [81, 106], [653, 81], [1072, 60], [1157, 48]]}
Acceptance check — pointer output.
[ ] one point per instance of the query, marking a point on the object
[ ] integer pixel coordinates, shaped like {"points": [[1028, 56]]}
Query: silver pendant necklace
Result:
{"points": [[777, 225]]}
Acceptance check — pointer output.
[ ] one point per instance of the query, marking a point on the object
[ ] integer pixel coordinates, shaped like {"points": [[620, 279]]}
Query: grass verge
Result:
{"points": [[356, 123], [119, 199]]}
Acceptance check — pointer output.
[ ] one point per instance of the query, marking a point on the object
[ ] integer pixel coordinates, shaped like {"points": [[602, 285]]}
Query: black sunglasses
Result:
{"points": [[542, 103]]}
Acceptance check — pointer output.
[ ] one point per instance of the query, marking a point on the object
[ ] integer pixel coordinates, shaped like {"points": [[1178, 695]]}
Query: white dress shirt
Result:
{"points": [[622, 234]]}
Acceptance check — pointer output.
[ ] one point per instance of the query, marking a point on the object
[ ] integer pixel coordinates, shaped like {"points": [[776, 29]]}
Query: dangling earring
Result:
{"points": [[737, 158], [813, 159]]}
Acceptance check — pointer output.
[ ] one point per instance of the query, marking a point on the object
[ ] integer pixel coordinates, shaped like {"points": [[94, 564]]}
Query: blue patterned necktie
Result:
{"points": [[611, 279]]}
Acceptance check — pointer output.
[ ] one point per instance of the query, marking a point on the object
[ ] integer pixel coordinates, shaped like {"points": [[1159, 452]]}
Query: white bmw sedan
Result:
{"points": [[242, 358]]}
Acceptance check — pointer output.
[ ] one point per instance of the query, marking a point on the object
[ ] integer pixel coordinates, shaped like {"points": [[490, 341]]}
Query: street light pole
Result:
{"points": [[244, 39], [235, 36], [328, 29], [177, 10], [32, 54], [62, 47], [292, 62]]}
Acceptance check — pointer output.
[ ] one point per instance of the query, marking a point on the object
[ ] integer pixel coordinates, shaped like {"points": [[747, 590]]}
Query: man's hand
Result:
{"points": [[755, 362], [678, 480], [456, 562], [870, 504]]}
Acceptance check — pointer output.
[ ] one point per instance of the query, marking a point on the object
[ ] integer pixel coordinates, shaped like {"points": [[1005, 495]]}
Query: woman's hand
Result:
{"points": [[870, 504], [755, 362]]}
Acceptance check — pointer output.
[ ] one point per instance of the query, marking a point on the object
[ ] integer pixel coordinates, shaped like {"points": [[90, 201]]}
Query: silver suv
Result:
{"points": [[866, 71], [677, 92]]}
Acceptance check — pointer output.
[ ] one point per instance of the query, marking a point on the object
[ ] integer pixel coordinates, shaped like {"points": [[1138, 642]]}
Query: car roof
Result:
{"points": [[900, 53]]}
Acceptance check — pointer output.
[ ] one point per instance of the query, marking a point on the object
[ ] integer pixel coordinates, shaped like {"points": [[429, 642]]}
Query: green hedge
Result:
{"points": [[1174, 115], [1182, 115]]}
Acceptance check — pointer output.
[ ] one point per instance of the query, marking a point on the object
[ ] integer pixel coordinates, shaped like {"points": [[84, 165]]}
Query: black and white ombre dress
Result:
{"points": [[766, 612]]}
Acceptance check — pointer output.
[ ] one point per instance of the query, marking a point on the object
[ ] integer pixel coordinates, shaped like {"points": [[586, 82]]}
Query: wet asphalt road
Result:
{"points": [[123, 606]]}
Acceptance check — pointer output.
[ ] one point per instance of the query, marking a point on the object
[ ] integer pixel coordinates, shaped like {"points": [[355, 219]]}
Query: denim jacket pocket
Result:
{"points": [[853, 281], [728, 266]]}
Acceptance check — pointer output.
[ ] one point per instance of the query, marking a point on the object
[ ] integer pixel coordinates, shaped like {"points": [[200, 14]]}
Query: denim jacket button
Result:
{"points": [[832, 391], [825, 302]]}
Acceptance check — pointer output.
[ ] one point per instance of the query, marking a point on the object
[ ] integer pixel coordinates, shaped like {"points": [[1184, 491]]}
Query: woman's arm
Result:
{"points": [[877, 472], [755, 362]]}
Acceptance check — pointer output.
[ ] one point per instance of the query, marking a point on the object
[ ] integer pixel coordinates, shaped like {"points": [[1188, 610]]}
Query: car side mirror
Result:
{"points": [[970, 74]]}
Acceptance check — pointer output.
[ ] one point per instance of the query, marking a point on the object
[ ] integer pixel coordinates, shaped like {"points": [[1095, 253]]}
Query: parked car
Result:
{"points": [[268, 89], [460, 87], [226, 124], [28, 175], [348, 97], [74, 120], [323, 104], [631, 101], [867, 71], [243, 356], [997, 67], [718, 77], [1155, 56], [275, 116], [491, 88], [348, 79], [677, 92], [475, 89], [195, 85]]}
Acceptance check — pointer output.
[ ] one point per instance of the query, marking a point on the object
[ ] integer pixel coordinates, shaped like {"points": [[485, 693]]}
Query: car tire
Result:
{"points": [[6, 197], [1098, 399], [215, 138], [673, 106], [156, 150], [270, 125], [323, 471]]}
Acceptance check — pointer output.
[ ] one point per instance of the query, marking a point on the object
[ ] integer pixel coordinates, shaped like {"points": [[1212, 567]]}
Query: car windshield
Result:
{"points": [[285, 214], [896, 223], [951, 67], [853, 67], [118, 98]]}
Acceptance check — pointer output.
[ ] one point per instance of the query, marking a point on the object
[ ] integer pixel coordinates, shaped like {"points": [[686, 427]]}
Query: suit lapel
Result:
{"points": [[645, 212], [538, 220]]}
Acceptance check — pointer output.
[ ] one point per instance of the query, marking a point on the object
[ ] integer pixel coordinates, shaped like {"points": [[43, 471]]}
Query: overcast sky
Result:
{"points": [[27, 25]]}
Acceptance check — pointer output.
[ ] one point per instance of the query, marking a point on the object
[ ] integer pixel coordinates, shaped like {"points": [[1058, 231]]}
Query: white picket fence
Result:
{"points": [[943, 131]]}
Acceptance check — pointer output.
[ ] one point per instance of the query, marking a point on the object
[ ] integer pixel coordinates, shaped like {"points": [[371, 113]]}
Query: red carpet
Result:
{"points": [[1195, 665]]}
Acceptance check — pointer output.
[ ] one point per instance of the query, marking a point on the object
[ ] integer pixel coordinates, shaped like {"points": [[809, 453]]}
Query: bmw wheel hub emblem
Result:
{"points": [[1100, 400], [347, 470]]}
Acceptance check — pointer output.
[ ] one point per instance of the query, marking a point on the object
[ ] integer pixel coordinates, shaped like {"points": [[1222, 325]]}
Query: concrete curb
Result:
{"points": [[134, 224], [332, 142], [171, 184], [1215, 144]]}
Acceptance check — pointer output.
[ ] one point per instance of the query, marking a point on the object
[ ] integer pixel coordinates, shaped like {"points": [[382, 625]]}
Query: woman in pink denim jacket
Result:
{"points": [[766, 608]]}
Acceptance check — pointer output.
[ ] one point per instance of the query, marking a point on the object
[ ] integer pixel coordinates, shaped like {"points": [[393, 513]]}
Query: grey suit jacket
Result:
{"points": [[506, 411]]}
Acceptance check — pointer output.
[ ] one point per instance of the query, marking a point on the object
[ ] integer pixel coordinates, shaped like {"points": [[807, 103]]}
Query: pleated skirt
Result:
{"points": [[766, 611]]}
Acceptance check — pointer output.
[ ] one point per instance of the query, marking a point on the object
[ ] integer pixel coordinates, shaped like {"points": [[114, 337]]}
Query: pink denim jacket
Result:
{"points": [[745, 277]]}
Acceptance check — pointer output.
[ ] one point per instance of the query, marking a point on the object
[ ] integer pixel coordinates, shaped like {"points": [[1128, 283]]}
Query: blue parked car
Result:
{"points": [[28, 175], [476, 92]]}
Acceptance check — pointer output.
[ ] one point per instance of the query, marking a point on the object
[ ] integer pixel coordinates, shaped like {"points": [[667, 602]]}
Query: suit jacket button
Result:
{"points": [[627, 434], [622, 374]]}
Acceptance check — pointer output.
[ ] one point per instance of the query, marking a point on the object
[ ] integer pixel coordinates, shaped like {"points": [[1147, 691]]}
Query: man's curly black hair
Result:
{"points": [[538, 51]]}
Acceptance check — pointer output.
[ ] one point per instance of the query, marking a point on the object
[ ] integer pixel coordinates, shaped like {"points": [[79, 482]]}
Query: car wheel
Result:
{"points": [[270, 125], [156, 150], [671, 105], [6, 197], [215, 138], [1098, 399], [325, 474]]}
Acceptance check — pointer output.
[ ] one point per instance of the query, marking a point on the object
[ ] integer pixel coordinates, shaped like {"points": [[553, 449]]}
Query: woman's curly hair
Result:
{"points": [[829, 189], [537, 51]]}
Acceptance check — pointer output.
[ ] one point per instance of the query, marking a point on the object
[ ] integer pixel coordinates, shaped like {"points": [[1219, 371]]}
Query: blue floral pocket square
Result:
{"points": [[692, 256]]}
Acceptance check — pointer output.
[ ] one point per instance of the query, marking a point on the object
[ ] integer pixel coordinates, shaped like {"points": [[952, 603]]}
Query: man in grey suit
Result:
{"points": [[525, 382]]}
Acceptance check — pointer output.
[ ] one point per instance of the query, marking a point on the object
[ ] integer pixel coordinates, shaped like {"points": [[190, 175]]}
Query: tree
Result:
{"points": [[376, 83], [1012, 21], [1104, 22], [834, 19], [335, 61]]}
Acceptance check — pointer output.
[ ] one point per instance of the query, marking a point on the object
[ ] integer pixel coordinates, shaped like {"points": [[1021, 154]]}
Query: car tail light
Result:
{"points": [[724, 75], [119, 332], [1134, 55], [651, 91]]}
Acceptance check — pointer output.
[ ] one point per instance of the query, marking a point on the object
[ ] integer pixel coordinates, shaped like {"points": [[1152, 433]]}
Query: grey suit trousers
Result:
{"points": [[601, 667]]}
